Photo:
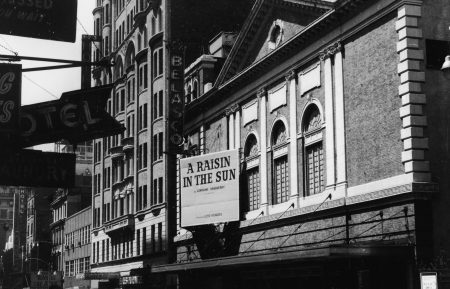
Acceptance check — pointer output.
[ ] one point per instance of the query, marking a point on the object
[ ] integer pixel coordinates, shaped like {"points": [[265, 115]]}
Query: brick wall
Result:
{"points": [[372, 105]]}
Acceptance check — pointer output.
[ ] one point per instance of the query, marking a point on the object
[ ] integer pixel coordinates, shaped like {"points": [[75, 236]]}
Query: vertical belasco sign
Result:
{"points": [[176, 96], [210, 188]]}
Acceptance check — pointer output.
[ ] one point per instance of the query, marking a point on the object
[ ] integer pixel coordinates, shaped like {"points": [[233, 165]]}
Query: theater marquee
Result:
{"points": [[210, 188]]}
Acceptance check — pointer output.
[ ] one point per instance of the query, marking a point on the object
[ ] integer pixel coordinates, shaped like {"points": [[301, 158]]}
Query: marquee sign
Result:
{"points": [[77, 116], [210, 188], [10, 87], [45, 19]]}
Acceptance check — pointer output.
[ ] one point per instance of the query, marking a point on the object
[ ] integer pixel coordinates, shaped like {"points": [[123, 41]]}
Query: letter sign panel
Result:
{"points": [[37, 169], [44, 19], [10, 88], [210, 188], [77, 116]]}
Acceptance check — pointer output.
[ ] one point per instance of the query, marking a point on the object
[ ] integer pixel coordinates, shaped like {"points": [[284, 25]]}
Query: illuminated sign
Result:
{"points": [[10, 86], [428, 280], [176, 96], [77, 116], [131, 280], [37, 169], [45, 19], [210, 188]]}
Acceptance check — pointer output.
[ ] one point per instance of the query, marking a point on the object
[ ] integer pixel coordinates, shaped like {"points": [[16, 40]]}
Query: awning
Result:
{"points": [[288, 256]]}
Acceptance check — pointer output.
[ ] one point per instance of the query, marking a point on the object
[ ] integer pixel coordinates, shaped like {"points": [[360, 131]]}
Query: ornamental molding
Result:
{"points": [[290, 75], [231, 109], [262, 92], [330, 50]]}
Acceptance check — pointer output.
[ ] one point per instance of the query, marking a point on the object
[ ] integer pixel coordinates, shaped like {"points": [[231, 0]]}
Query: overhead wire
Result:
{"points": [[11, 49]]}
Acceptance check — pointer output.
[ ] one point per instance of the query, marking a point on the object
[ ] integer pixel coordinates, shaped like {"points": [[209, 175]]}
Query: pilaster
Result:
{"points": [[293, 162], [262, 95], [341, 165], [412, 77]]}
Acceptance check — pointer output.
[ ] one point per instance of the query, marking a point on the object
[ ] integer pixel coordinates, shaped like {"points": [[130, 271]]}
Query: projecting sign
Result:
{"points": [[210, 188], [10, 86], [45, 19], [37, 169], [77, 116], [176, 96]]}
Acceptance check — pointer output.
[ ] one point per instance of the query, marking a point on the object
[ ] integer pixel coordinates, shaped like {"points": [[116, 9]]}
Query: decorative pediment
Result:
{"points": [[270, 24]]}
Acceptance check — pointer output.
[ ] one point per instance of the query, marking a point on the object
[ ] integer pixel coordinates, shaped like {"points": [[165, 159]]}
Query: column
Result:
{"points": [[329, 121], [230, 130], [237, 128], [202, 139], [262, 95], [341, 166], [293, 159]]}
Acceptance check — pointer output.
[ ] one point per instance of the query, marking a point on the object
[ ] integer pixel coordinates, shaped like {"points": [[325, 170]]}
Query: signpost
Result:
{"points": [[37, 169], [10, 87], [44, 19], [77, 116]]}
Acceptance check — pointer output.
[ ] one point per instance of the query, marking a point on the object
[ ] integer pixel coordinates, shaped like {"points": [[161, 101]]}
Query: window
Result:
{"points": [[157, 67], [144, 240], [312, 130], [195, 90], [122, 100], [158, 104], [251, 154], [160, 237], [280, 189], [138, 242], [152, 232], [157, 146]]}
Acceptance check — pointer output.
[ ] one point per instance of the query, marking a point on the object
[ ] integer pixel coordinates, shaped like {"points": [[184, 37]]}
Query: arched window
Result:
{"points": [[118, 71], [280, 189], [313, 150], [251, 153], [139, 41], [129, 58]]}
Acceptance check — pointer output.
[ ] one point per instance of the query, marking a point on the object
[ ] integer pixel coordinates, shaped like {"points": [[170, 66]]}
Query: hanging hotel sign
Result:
{"points": [[77, 116], [10, 86], [210, 188], [44, 19], [176, 96]]}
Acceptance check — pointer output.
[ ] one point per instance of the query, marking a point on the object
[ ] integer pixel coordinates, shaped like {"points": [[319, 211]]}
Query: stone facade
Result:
{"points": [[363, 167]]}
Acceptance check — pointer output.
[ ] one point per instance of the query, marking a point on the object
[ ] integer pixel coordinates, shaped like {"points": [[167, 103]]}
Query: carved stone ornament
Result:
{"points": [[290, 75], [261, 93], [330, 50], [232, 109]]}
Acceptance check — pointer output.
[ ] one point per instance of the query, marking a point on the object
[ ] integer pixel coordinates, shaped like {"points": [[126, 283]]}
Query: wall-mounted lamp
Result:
{"points": [[446, 67]]}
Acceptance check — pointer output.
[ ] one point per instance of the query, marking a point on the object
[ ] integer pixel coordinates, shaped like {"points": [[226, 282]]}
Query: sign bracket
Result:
{"points": [[69, 63]]}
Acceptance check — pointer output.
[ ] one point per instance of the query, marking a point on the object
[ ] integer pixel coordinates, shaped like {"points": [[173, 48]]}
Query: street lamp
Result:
{"points": [[446, 67]]}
